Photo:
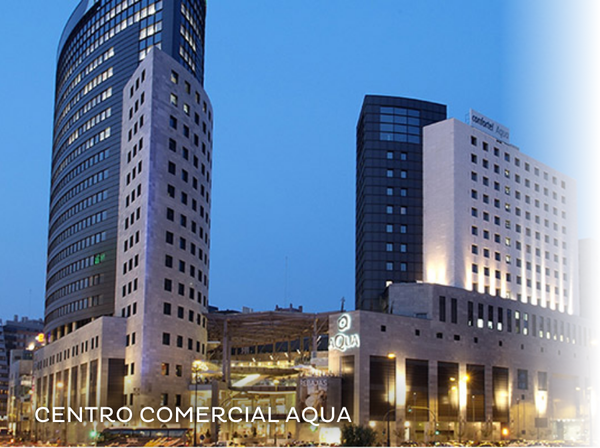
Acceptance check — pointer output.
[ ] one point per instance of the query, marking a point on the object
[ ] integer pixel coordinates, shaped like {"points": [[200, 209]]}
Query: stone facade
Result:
{"points": [[549, 373]]}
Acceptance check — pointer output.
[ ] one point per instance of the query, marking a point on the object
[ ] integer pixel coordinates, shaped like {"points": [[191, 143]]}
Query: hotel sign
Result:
{"points": [[489, 126], [343, 340]]}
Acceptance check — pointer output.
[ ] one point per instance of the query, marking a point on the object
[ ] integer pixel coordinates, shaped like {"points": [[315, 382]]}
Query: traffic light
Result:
{"points": [[410, 409]]}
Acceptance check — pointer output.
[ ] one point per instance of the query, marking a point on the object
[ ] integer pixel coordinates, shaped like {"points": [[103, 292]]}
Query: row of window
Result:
{"points": [[77, 227], [198, 99], [76, 247], [86, 71], [78, 188], [179, 340], [501, 319], [190, 32], [89, 143], [75, 350], [93, 33], [100, 98], [75, 267], [518, 228], [74, 306], [200, 320], [79, 207], [507, 190], [194, 271], [73, 155], [87, 88], [517, 162], [78, 285], [181, 288], [83, 166]]}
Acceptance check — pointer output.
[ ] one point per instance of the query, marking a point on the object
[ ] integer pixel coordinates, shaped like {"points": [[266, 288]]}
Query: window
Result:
{"points": [[168, 284], [180, 341], [454, 311], [167, 308], [173, 99], [389, 266], [173, 122], [522, 382], [164, 369], [174, 77], [166, 339], [390, 173], [442, 309]]}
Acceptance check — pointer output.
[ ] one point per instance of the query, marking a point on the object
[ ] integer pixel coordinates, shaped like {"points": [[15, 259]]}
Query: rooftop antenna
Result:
{"points": [[343, 300]]}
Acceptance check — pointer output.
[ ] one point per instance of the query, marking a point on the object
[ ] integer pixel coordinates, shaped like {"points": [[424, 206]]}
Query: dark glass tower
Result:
{"points": [[101, 46], [389, 193]]}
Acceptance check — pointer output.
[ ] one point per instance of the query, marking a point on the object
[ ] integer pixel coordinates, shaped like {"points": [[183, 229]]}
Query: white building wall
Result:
{"points": [[496, 220], [165, 190]]}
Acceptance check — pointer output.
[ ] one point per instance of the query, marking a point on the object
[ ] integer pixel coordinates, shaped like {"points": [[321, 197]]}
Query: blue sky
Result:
{"points": [[286, 80]]}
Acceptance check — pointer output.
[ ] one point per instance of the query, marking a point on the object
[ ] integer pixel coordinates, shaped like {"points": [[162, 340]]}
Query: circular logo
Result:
{"points": [[344, 322]]}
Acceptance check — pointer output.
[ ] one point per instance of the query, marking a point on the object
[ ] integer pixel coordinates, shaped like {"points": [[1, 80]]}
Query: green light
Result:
{"points": [[99, 258], [93, 434]]}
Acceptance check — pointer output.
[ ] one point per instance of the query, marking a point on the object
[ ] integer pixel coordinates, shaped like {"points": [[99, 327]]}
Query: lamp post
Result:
{"points": [[392, 357]]}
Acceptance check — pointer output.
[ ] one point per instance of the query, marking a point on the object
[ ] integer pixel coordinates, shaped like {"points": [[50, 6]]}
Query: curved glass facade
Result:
{"points": [[102, 44]]}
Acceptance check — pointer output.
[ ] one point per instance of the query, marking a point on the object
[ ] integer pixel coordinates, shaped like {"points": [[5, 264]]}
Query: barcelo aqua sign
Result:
{"points": [[343, 339]]}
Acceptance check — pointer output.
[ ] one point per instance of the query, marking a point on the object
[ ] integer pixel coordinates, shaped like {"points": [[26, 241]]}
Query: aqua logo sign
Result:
{"points": [[343, 341]]}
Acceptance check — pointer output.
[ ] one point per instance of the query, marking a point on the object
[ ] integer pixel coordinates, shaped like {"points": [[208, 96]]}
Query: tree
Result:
{"points": [[357, 435]]}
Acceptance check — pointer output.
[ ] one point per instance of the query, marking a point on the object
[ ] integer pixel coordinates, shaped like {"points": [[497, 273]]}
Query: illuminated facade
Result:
{"points": [[487, 341], [128, 255], [497, 221], [452, 364], [100, 48]]}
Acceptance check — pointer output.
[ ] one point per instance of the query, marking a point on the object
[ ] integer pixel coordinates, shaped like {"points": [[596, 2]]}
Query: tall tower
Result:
{"points": [[389, 193], [101, 46], [129, 237]]}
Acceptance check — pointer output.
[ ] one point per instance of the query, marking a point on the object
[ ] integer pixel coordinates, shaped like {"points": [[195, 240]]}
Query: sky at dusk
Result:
{"points": [[287, 80]]}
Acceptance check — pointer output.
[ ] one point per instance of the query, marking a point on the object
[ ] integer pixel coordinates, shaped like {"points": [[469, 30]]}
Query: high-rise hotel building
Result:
{"points": [[129, 228], [469, 248], [389, 194], [497, 221]]}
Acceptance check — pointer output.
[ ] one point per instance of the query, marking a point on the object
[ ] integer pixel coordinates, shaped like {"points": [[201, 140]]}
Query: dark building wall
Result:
{"points": [[101, 47], [389, 193]]}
